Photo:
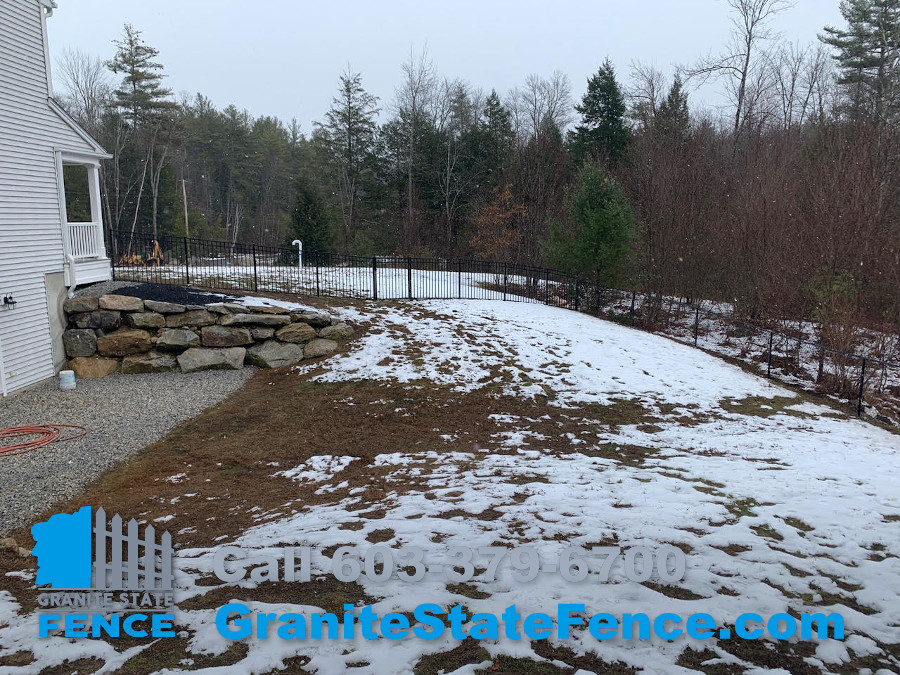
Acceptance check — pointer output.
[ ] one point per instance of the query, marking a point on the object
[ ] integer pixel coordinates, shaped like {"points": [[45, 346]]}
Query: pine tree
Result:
{"points": [[603, 131], [350, 133], [673, 117], [598, 243], [309, 223], [140, 95], [493, 139], [868, 55]]}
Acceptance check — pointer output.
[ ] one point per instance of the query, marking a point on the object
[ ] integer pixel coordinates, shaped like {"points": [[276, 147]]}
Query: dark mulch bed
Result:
{"points": [[181, 295]]}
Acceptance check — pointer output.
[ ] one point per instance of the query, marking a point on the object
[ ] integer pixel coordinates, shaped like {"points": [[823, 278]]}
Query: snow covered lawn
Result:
{"points": [[579, 432]]}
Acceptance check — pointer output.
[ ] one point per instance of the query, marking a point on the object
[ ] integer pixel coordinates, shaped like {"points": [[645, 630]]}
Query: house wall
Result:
{"points": [[31, 245]]}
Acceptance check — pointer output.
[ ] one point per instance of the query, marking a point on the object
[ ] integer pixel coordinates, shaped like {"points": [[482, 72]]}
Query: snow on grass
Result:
{"points": [[320, 467], [778, 503], [534, 350]]}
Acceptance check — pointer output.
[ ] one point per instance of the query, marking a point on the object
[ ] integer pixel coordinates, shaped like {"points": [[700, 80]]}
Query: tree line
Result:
{"points": [[785, 202]]}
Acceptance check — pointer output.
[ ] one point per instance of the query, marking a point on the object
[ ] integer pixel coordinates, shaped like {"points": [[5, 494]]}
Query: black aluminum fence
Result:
{"points": [[788, 351]]}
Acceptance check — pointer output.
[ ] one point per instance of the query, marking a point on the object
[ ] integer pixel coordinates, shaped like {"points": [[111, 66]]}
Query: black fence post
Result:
{"points": [[771, 342], [696, 325], [459, 277], [862, 386], [409, 276], [505, 279], [633, 298], [255, 274], [546, 285], [577, 293], [187, 268], [318, 288], [374, 278]]}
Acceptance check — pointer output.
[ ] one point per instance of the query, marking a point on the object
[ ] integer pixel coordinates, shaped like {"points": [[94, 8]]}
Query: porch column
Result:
{"points": [[99, 248]]}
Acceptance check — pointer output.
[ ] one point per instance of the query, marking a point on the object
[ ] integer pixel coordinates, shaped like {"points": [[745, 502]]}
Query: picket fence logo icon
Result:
{"points": [[113, 559]]}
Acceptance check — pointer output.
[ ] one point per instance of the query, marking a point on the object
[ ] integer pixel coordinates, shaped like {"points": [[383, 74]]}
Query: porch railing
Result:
{"points": [[86, 240]]}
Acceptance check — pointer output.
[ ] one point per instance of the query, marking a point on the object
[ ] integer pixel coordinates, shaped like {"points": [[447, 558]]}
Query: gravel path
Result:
{"points": [[123, 414]]}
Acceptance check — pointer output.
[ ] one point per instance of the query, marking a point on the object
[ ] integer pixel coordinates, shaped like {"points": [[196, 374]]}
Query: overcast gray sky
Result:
{"points": [[284, 57]]}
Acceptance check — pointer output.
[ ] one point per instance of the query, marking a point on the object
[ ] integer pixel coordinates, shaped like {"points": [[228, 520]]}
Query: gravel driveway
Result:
{"points": [[123, 414]]}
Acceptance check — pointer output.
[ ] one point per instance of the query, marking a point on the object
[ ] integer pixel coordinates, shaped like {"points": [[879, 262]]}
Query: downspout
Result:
{"points": [[70, 261]]}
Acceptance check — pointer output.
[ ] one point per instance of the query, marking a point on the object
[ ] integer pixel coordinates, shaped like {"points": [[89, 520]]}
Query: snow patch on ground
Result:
{"points": [[790, 510]]}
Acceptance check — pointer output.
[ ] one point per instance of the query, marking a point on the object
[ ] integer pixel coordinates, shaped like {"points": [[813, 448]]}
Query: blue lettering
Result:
{"points": [[740, 626], [242, 627], [603, 626], [538, 626], [822, 621], [643, 621], [775, 630], [457, 619], [510, 618], [161, 625], [100, 624], [315, 629], [565, 619], [76, 625], [422, 616], [394, 626], [294, 628], [700, 626], [47, 623], [128, 625], [486, 628], [659, 626]]}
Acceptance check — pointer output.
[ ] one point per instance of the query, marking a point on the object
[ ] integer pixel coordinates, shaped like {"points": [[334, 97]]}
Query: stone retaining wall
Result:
{"points": [[119, 333]]}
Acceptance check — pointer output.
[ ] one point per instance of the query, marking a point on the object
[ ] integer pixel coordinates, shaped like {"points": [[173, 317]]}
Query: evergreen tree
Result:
{"points": [[350, 133], [141, 94], [496, 123], [868, 55], [309, 223], [598, 242], [673, 117], [492, 141], [603, 131]]}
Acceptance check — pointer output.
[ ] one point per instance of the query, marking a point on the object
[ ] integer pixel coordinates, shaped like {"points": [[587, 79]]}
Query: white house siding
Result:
{"points": [[30, 224]]}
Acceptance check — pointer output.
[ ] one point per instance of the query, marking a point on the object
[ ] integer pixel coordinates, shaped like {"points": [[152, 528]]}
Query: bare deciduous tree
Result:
{"points": [[646, 92], [739, 66], [541, 105], [414, 106], [86, 87]]}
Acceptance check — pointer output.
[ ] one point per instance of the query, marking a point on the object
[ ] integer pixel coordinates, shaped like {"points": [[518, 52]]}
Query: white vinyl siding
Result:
{"points": [[30, 226]]}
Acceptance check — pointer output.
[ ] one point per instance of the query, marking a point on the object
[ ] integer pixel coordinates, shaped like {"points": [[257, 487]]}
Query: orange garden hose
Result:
{"points": [[46, 434]]}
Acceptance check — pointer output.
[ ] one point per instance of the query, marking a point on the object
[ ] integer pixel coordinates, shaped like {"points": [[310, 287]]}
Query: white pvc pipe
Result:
{"points": [[3, 391], [299, 245]]}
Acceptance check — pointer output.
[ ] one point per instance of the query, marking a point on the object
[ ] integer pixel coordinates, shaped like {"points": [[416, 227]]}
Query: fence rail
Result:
{"points": [[787, 352]]}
